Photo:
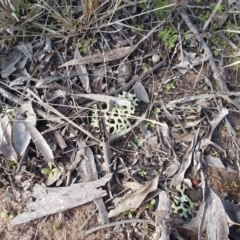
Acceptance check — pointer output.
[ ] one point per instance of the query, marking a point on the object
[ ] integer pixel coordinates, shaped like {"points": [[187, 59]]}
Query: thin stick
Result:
{"points": [[62, 116], [212, 15], [114, 224], [123, 133]]}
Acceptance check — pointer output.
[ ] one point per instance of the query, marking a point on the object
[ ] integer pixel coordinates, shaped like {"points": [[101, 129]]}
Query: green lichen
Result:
{"points": [[117, 119], [182, 205]]}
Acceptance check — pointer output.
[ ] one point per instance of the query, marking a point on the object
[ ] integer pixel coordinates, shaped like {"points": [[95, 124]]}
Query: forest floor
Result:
{"points": [[143, 95]]}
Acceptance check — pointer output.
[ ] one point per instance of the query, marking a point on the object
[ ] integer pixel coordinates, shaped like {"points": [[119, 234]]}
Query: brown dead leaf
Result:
{"points": [[108, 56], [82, 71], [60, 140], [141, 93], [134, 200]]}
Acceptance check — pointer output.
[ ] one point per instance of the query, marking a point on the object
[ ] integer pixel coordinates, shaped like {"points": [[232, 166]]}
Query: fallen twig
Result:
{"points": [[61, 115], [116, 223], [123, 133]]}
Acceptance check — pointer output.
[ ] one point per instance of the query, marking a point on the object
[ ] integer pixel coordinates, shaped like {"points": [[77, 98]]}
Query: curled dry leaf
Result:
{"points": [[21, 136], [55, 175], [39, 142], [141, 93], [60, 140], [124, 73], [82, 71], [186, 162], [8, 63], [134, 200], [26, 49], [108, 56], [6, 140]]}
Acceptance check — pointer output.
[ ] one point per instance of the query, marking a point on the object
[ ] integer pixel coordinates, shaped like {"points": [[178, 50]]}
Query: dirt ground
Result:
{"points": [[142, 153]]}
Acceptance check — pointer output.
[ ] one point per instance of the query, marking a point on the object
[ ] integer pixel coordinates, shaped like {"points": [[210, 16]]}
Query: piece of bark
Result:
{"points": [[163, 217], [89, 173], [54, 200]]}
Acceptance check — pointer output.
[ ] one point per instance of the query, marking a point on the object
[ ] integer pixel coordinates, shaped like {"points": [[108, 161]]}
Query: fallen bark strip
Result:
{"points": [[54, 200], [163, 217], [213, 65]]}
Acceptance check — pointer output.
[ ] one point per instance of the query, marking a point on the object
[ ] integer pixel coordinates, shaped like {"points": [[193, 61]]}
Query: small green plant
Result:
{"points": [[146, 124], [214, 154], [142, 173], [170, 86], [142, 5], [138, 141], [50, 171], [156, 111], [237, 130], [68, 11], [128, 214], [85, 45], [10, 112], [169, 36], [10, 164], [56, 226], [176, 125], [136, 29], [150, 205], [7, 216]]}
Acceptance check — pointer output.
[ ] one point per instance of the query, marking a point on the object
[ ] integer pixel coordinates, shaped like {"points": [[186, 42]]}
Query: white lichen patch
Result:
{"points": [[182, 205], [116, 118]]}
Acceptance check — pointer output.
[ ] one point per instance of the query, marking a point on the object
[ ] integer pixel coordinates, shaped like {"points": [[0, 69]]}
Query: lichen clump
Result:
{"points": [[182, 205], [117, 118]]}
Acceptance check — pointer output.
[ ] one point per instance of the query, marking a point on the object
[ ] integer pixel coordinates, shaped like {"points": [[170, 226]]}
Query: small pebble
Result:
{"points": [[155, 58]]}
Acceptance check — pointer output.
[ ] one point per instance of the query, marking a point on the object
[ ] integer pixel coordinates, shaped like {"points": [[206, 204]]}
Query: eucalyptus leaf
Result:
{"points": [[21, 136], [40, 142], [6, 146]]}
